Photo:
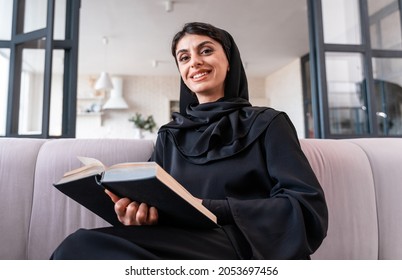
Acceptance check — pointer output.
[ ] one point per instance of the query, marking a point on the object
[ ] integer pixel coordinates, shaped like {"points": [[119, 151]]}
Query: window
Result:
{"points": [[388, 95], [356, 65], [341, 22], [4, 66], [347, 95], [38, 67]]}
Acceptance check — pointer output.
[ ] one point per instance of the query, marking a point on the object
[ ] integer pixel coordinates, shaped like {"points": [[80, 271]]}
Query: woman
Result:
{"points": [[245, 164]]}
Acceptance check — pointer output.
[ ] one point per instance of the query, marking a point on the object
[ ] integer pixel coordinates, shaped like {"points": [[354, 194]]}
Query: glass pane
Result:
{"points": [[35, 15], [388, 91], [6, 13], [31, 98], [385, 24], [4, 66], [56, 95], [309, 121], [60, 20], [341, 20], [347, 98]]}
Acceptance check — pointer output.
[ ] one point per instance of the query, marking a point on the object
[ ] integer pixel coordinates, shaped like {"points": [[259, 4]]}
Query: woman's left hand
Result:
{"points": [[132, 213]]}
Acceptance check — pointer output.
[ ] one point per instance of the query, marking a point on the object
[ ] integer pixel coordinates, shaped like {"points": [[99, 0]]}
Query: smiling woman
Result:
{"points": [[244, 164]]}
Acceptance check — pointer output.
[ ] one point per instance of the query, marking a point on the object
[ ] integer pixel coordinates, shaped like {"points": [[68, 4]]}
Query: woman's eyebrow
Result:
{"points": [[204, 43], [200, 45]]}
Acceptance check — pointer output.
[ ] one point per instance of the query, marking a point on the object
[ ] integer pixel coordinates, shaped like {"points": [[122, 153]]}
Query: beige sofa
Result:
{"points": [[362, 180]]}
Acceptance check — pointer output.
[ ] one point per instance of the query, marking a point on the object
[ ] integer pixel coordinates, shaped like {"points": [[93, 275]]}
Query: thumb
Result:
{"points": [[112, 196]]}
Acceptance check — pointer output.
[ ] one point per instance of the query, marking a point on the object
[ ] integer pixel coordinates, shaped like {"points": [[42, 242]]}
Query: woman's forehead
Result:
{"points": [[192, 40]]}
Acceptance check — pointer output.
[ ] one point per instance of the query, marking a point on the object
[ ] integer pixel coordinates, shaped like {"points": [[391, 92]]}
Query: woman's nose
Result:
{"points": [[196, 61]]}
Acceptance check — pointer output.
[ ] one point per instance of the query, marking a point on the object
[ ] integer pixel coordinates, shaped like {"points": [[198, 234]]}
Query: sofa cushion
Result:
{"points": [[17, 170], [385, 157], [344, 172], [54, 215]]}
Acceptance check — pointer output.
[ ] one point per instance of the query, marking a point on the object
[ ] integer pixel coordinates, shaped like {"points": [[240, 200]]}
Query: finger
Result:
{"points": [[120, 206], [112, 196], [131, 209], [153, 216], [142, 214]]}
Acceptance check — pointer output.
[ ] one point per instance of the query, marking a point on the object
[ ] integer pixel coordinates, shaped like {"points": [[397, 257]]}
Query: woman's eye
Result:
{"points": [[206, 51], [183, 58]]}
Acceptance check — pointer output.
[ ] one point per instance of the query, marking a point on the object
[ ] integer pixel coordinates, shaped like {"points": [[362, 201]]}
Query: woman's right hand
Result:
{"points": [[132, 213]]}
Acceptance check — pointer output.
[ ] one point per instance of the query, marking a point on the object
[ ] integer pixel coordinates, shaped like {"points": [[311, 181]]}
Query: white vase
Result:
{"points": [[138, 133]]}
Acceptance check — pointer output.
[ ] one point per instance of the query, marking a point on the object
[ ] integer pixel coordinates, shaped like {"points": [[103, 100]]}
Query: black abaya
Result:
{"points": [[150, 243]]}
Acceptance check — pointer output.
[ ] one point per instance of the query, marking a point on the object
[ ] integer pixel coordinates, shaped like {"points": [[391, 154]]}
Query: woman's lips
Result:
{"points": [[200, 75]]}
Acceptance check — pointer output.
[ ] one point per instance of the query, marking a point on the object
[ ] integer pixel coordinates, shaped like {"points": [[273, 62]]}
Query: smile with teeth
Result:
{"points": [[199, 75]]}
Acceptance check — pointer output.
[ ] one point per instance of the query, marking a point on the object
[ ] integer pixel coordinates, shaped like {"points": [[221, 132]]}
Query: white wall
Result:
{"points": [[145, 95], [285, 93], [256, 88]]}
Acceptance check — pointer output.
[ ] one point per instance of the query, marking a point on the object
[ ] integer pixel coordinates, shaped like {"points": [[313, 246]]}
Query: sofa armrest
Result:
{"points": [[345, 174], [54, 216], [17, 171], [385, 157]]}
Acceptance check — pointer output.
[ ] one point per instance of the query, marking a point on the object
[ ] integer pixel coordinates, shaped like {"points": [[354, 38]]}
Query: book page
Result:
{"points": [[90, 161], [91, 167]]}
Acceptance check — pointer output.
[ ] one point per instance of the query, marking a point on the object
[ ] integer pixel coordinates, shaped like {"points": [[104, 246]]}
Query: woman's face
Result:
{"points": [[203, 66]]}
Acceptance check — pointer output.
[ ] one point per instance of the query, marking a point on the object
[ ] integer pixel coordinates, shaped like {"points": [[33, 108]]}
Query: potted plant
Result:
{"points": [[142, 123]]}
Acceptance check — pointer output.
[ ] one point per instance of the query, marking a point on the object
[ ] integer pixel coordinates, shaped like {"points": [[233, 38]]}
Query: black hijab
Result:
{"points": [[212, 131]]}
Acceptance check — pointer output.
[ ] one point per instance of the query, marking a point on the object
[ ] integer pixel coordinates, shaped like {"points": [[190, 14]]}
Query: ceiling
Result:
{"points": [[269, 33]]}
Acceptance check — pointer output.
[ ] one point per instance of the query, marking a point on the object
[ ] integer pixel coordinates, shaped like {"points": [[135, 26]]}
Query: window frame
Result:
{"points": [[318, 49], [70, 47]]}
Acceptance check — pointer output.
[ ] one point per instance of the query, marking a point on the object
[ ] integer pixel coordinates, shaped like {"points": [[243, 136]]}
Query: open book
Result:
{"points": [[139, 181]]}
